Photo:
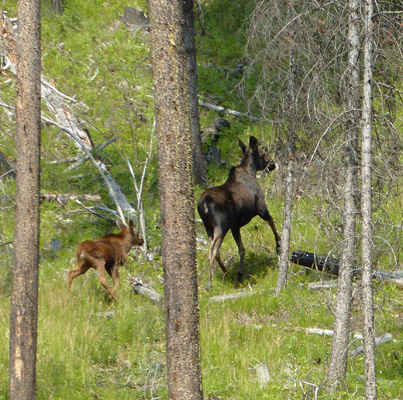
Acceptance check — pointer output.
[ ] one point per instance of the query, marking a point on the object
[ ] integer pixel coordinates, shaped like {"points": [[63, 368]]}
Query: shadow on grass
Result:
{"points": [[257, 266]]}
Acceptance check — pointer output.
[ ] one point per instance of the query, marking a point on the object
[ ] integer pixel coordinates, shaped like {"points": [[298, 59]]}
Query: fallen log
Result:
{"points": [[320, 263], [395, 281], [64, 198], [385, 338], [331, 266], [322, 285], [231, 112], [234, 296]]}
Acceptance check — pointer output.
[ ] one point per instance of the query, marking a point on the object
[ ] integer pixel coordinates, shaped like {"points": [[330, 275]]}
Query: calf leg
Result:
{"points": [[100, 266], [115, 278], [81, 268], [236, 233]]}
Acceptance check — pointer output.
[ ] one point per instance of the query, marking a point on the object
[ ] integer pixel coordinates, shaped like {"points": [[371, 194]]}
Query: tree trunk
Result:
{"points": [[338, 357], [24, 289], [171, 82], [289, 181], [366, 209], [199, 164]]}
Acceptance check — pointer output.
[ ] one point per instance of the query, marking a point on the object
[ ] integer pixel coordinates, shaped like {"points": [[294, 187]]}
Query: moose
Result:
{"points": [[233, 204], [108, 254]]}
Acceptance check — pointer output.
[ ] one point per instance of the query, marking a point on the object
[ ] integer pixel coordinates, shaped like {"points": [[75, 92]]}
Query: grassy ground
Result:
{"points": [[86, 352], [91, 348]]}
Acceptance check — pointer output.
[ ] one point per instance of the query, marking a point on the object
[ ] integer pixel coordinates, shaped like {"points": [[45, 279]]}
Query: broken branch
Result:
{"points": [[139, 288]]}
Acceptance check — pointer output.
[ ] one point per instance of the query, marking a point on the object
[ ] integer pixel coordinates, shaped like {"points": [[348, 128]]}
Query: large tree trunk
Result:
{"points": [[289, 181], [199, 164], [171, 82], [24, 289], [338, 357], [366, 210]]}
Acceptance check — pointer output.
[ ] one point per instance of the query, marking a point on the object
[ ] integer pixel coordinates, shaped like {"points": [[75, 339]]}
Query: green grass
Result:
{"points": [[83, 354]]}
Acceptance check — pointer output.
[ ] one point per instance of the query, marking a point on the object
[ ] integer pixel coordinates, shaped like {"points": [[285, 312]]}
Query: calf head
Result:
{"points": [[131, 235], [261, 160]]}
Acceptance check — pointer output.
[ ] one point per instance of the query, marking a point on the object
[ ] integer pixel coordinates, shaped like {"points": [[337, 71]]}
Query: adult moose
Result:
{"points": [[235, 203], [106, 254]]}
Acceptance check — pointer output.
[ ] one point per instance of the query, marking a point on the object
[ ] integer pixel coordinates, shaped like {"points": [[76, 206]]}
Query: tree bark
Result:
{"points": [[338, 357], [24, 289], [199, 164], [171, 91], [366, 209]]}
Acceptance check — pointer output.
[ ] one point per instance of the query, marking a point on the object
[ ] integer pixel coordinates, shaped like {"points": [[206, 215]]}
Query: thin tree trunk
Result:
{"points": [[171, 89], [366, 210], [289, 181], [199, 164], [338, 357], [24, 289]]}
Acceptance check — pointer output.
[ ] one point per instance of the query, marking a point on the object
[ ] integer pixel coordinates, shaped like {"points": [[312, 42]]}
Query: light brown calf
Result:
{"points": [[106, 254]]}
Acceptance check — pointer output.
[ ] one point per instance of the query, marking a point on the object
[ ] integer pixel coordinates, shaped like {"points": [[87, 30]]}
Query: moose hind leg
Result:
{"points": [[220, 263], [236, 233], [214, 249]]}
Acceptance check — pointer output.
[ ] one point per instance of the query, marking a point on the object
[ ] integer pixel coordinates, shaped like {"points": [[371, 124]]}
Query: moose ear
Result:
{"points": [[253, 143], [131, 224], [241, 144]]}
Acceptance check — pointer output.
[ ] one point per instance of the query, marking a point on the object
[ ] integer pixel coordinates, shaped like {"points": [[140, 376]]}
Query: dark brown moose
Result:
{"points": [[235, 203], [106, 254]]}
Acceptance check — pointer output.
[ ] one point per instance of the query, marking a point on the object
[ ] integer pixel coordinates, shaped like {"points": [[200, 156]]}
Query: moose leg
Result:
{"points": [[236, 233], [217, 256], [267, 217], [220, 263], [81, 268], [214, 250]]}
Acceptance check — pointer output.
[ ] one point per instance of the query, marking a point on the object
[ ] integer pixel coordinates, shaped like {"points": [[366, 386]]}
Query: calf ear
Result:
{"points": [[241, 144], [131, 224], [253, 143]]}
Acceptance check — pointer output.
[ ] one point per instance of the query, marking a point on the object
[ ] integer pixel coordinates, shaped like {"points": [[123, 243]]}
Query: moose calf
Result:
{"points": [[235, 203], [106, 254]]}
